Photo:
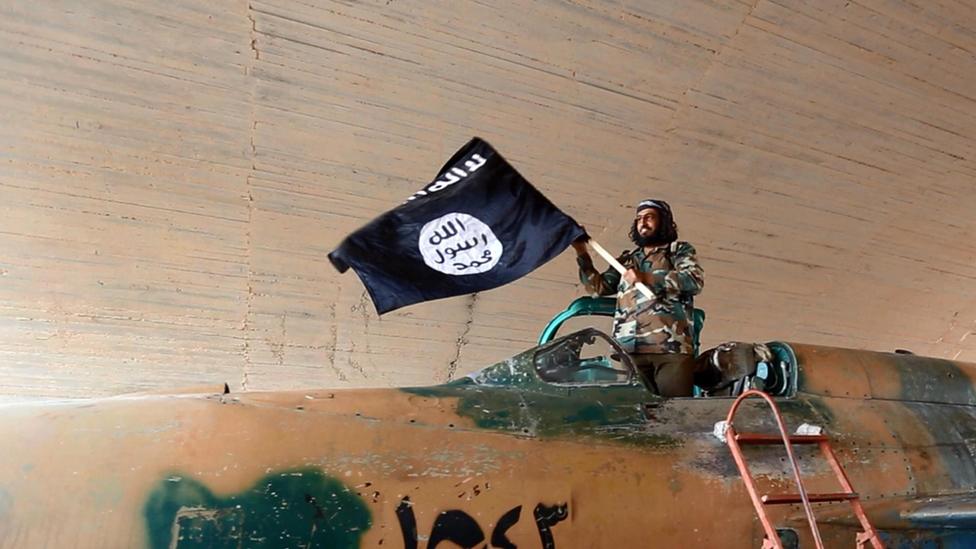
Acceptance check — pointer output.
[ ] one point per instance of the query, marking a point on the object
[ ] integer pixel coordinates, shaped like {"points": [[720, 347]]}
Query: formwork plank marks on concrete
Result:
{"points": [[122, 166], [175, 174]]}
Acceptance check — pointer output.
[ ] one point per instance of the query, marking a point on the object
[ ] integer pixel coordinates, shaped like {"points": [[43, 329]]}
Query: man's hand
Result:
{"points": [[580, 244]]}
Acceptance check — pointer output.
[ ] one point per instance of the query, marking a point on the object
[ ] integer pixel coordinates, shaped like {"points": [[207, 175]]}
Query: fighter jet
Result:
{"points": [[562, 445]]}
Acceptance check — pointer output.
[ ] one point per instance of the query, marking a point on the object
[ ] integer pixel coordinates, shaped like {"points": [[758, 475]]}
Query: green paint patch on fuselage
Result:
{"points": [[939, 393], [601, 413], [925, 379], [294, 508], [511, 397], [807, 409]]}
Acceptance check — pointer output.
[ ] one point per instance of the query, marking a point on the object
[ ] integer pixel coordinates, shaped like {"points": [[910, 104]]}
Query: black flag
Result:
{"points": [[477, 226]]}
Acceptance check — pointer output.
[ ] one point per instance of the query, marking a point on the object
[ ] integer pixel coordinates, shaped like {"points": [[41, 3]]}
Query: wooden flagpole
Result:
{"points": [[616, 265]]}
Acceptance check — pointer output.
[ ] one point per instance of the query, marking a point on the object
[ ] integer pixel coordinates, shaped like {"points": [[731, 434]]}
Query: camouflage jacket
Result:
{"points": [[659, 325]]}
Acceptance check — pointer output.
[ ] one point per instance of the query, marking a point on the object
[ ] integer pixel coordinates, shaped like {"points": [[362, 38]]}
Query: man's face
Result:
{"points": [[647, 222]]}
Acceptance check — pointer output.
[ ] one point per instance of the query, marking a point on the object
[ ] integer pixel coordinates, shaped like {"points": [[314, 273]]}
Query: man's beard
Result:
{"points": [[653, 239]]}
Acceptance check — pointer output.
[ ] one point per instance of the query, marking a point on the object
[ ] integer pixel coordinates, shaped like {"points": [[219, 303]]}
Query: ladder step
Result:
{"points": [[755, 438], [780, 499]]}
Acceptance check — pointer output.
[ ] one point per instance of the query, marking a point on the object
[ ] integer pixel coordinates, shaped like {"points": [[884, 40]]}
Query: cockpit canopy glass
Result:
{"points": [[587, 357]]}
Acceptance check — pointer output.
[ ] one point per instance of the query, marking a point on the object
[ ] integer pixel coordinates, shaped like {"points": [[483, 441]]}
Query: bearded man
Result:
{"points": [[656, 332]]}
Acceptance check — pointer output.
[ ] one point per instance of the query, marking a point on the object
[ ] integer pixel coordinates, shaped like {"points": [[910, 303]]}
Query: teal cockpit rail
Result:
{"points": [[596, 306]]}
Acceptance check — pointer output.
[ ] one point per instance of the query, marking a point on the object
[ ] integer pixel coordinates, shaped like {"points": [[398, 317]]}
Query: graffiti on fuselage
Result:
{"points": [[460, 528], [294, 508], [308, 508]]}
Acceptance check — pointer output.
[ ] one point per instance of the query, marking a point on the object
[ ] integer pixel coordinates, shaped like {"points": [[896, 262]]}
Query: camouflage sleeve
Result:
{"points": [[686, 279], [604, 283]]}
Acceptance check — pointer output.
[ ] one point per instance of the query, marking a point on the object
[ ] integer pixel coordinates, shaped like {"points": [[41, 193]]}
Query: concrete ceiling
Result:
{"points": [[173, 174]]}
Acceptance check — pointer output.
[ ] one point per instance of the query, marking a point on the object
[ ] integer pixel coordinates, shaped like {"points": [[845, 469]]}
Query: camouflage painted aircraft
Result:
{"points": [[559, 446]]}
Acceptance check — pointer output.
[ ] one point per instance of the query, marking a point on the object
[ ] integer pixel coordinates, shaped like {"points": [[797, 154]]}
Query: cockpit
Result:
{"points": [[584, 358], [589, 357]]}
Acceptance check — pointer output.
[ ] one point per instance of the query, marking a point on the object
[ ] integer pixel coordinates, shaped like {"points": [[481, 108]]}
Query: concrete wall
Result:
{"points": [[173, 173]]}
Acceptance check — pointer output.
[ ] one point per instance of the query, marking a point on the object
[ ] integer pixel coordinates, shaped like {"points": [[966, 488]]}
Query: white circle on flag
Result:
{"points": [[459, 244]]}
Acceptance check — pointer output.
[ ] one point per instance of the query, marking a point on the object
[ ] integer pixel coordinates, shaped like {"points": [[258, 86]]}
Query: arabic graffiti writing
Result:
{"points": [[545, 518], [459, 244], [460, 528], [451, 176]]}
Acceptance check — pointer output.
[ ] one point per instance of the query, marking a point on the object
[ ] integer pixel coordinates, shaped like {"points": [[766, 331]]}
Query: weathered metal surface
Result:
{"points": [[173, 174], [499, 458]]}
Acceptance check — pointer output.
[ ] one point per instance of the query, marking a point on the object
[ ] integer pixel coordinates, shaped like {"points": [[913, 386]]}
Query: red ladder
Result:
{"points": [[772, 540]]}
